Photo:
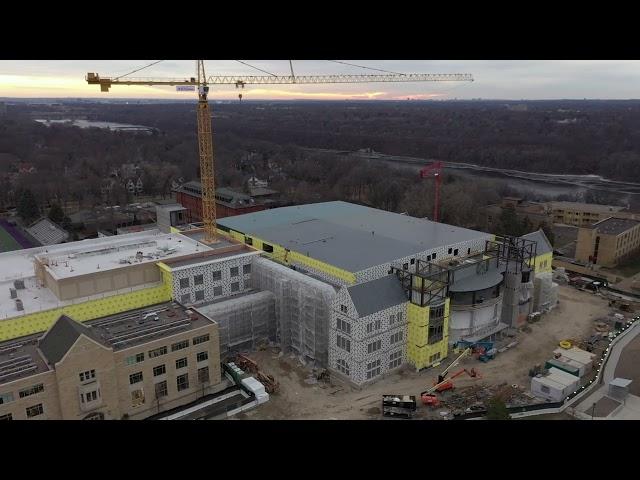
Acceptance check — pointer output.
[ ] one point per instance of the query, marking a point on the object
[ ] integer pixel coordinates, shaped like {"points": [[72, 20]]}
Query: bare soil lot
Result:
{"points": [[300, 398]]}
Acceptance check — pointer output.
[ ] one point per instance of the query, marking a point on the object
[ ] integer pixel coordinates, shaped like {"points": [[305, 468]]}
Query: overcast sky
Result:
{"points": [[499, 79]]}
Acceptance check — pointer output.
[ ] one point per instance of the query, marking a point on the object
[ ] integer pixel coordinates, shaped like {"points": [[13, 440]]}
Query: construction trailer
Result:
{"points": [[555, 385]]}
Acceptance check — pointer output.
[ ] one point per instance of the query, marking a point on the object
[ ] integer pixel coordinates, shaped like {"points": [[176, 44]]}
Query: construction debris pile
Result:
{"points": [[475, 398]]}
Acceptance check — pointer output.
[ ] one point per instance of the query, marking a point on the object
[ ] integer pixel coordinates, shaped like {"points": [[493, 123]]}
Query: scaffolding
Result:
{"points": [[303, 309], [244, 322]]}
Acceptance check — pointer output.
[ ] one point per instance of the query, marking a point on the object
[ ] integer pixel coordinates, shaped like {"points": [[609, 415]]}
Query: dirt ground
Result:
{"points": [[298, 399]]}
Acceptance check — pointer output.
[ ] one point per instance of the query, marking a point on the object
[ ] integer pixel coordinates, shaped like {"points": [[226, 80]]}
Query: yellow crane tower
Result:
{"points": [[205, 140]]}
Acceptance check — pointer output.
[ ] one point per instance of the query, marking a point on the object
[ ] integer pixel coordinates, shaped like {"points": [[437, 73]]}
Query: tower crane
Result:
{"points": [[205, 140], [434, 169]]}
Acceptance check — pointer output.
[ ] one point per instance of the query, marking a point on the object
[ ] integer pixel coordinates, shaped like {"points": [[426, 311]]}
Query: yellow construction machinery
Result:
{"points": [[205, 140]]}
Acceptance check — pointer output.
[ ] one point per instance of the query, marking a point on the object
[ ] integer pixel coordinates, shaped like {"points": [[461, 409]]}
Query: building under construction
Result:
{"points": [[354, 289]]}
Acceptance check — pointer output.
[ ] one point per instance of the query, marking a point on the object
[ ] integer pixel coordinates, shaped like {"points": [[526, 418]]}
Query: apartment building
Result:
{"points": [[581, 214], [126, 366], [608, 242]]}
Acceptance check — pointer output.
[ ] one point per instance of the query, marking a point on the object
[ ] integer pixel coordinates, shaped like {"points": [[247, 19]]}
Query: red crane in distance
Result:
{"points": [[435, 170]]}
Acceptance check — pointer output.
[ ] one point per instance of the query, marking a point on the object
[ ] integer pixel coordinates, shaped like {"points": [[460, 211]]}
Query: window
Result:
{"points": [[392, 319], [8, 416], [413, 261], [343, 343], [373, 369], [343, 326], [450, 250], [433, 256], [135, 378], [468, 251], [248, 240], [246, 268], [396, 337], [405, 266], [342, 366], [180, 345], [161, 389], [181, 363], [435, 357], [6, 398], [88, 375], [137, 398], [184, 283], [186, 298], [202, 356], [89, 396], [343, 308], [544, 389], [374, 326], [435, 333], [203, 375], [35, 411], [199, 295], [157, 352], [235, 286], [198, 280], [133, 359], [31, 390], [455, 252], [159, 370], [267, 248], [399, 316], [395, 359], [217, 275], [182, 381], [200, 339], [233, 271], [374, 346], [217, 291]]}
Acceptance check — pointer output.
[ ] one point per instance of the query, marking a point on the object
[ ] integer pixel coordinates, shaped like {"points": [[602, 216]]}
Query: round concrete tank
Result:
{"points": [[476, 305]]}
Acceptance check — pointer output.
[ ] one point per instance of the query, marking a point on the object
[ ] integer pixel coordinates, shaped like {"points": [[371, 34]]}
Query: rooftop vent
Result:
{"points": [[19, 284], [14, 293], [19, 305]]}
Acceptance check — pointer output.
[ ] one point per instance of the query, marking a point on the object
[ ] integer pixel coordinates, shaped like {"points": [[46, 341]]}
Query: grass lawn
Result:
{"points": [[7, 242]]}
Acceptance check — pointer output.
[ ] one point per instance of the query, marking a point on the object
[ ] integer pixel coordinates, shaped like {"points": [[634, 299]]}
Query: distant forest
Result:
{"points": [[267, 139]]}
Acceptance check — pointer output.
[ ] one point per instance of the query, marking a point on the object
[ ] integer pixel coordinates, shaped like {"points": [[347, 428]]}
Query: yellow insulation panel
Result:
{"points": [[41, 321], [419, 352]]}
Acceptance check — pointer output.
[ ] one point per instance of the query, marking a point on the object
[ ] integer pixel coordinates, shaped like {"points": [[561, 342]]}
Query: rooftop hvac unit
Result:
{"points": [[19, 305], [13, 292], [19, 284]]}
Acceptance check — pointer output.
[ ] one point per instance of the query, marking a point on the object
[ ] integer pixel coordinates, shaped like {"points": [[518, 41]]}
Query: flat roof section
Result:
{"points": [[20, 358], [137, 327], [212, 256], [591, 207], [615, 226], [81, 258], [346, 235]]}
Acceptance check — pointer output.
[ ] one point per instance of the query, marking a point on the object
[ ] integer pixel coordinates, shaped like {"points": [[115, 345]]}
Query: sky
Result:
{"points": [[493, 79]]}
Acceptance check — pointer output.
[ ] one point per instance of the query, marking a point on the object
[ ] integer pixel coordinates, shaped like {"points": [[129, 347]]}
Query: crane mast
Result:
{"points": [[205, 138], [207, 166]]}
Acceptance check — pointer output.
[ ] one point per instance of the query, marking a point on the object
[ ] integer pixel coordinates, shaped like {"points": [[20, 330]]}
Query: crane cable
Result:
{"points": [[263, 71], [368, 68], [138, 69]]}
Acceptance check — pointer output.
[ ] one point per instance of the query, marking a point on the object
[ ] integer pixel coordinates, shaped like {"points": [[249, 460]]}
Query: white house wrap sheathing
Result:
{"points": [[303, 308], [545, 293], [244, 322]]}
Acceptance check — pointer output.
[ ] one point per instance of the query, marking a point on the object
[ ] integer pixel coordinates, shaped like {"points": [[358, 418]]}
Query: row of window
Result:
{"points": [[373, 369], [199, 294], [396, 337], [26, 392], [161, 388], [216, 276], [161, 369], [374, 326], [395, 359], [157, 352], [343, 343], [374, 346], [343, 326]]}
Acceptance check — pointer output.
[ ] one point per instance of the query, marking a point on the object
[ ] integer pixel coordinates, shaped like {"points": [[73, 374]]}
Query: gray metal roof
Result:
{"points": [[615, 226], [543, 245], [477, 282], [47, 232], [346, 235], [376, 295], [59, 339]]}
